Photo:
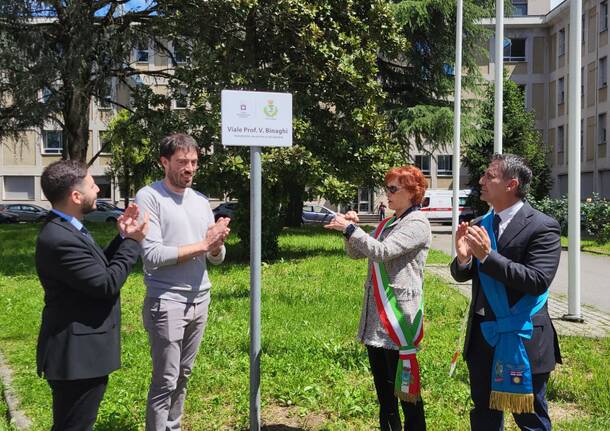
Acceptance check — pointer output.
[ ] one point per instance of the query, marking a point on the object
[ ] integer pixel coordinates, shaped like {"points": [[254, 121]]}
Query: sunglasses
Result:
{"points": [[391, 189]]}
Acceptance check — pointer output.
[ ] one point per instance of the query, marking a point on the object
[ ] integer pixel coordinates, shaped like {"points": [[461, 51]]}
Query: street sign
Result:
{"points": [[256, 118]]}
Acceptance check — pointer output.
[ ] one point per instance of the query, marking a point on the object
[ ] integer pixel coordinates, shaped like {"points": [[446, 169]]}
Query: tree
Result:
{"points": [[133, 157], [325, 54], [59, 55], [419, 81], [519, 136]]}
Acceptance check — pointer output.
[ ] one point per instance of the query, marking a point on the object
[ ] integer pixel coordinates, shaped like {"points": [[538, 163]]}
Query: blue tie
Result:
{"points": [[86, 233], [496, 226]]}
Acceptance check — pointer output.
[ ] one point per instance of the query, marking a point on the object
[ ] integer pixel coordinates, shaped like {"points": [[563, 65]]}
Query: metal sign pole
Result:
{"points": [[255, 288]]}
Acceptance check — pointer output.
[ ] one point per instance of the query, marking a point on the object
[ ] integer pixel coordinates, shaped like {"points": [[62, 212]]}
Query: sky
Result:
{"points": [[555, 3]]}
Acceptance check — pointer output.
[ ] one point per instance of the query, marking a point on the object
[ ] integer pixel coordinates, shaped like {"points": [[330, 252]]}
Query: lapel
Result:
{"points": [[516, 225], [91, 244]]}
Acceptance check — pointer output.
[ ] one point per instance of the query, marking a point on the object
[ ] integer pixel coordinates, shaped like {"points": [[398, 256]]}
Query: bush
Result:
{"points": [[594, 215]]}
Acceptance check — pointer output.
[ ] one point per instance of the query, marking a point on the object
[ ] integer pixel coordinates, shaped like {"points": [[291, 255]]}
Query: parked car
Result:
{"points": [[317, 214], [8, 217], [225, 209], [108, 206], [438, 205], [104, 212], [27, 212]]}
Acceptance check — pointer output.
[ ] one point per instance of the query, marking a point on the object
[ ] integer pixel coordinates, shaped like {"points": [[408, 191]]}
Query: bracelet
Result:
{"points": [[349, 230]]}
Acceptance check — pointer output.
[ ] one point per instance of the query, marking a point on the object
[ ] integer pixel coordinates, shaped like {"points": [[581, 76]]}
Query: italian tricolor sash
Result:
{"points": [[406, 336]]}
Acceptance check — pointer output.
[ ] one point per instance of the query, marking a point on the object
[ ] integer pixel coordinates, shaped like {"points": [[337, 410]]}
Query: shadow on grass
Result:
{"points": [[116, 424], [280, 427]]}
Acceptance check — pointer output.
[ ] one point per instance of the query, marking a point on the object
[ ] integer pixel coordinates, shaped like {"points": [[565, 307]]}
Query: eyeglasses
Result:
{"points": [[392, 189]]}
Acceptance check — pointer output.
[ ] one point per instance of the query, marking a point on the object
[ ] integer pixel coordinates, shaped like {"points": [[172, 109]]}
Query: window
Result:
{"points": [[514, 49], [180, 53], [445, 165], [582, 138], [601, 129], [105, 149], [46, 94], [603, 16], [603, 71], [423, 163], [104, 102], [18, 188], [560, 137], [103, 183], [582, 29], [142, 54], [562, 41], [519, 7], [51, 142], [582, 82], [181, 100], [561, 94]]}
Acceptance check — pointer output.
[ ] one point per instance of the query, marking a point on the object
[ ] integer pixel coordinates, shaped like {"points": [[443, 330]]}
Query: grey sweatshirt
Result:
{"points": [[175, 220]]}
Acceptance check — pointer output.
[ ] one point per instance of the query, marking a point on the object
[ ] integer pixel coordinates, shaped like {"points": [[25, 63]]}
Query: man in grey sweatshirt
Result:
{"points": [[181, 237]]}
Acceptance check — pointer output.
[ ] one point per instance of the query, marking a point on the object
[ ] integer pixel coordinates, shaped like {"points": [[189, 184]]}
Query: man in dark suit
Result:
{"points": [[526, 259], [79, 340]]}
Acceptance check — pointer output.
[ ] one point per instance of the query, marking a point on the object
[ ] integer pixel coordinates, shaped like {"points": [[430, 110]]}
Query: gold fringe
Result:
{"points": [[410, 398], [515, 403]]}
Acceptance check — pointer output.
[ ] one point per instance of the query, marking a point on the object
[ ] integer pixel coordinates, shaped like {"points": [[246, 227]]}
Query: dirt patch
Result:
{"points": [[559, 412], [282, 418]]}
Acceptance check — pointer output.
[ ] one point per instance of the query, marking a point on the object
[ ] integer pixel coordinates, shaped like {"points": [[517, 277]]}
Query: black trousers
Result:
{"points": [[76, 403], [383, 366], [482, 418]]}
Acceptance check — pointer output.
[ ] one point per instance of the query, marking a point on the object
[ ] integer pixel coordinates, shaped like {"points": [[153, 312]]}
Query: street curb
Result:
{"points": [[596, 322], [597, 253], [16, 417]]}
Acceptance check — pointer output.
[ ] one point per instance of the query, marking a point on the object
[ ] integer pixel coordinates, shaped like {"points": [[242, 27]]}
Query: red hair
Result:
{"points": [[411, 179]]}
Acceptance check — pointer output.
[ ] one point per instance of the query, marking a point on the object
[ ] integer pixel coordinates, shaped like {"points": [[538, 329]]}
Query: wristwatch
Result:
{"points": [[349, 230]]}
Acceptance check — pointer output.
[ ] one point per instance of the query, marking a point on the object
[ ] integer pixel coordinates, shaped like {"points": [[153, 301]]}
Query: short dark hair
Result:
{"points": [[177, 141], [514, 166], [59, 179]]}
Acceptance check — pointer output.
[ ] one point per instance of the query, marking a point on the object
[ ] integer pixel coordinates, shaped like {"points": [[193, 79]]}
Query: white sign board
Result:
{"points": [[256, 119]]}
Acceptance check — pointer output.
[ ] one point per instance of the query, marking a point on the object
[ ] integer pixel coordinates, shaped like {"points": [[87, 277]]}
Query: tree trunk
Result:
{"points": [[76, 130], [294, 209]]}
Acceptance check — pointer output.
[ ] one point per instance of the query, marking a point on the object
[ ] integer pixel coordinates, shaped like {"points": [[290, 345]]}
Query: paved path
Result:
{"points": [[594, 270], [595, 285]]}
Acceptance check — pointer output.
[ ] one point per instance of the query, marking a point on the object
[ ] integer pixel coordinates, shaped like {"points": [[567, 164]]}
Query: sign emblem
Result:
{"points": [[270, 109]]}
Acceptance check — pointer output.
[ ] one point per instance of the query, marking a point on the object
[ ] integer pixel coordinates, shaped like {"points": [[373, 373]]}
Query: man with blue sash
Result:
{"points": [[511, 255]]}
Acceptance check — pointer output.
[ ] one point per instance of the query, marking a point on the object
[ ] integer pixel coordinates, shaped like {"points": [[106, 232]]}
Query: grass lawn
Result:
{"points": [[589, 245], [314, 375]]}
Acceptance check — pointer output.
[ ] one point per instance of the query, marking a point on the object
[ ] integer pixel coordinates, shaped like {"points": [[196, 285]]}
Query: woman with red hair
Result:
{"points": [[391, 323]]}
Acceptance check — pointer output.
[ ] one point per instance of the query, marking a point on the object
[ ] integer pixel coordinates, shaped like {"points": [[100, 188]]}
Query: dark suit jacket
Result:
{"points": [[526, 262], [80, 331]]}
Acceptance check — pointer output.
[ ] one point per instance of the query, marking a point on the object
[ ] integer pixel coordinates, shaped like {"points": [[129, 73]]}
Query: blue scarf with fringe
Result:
{"points": [[511, 373]]}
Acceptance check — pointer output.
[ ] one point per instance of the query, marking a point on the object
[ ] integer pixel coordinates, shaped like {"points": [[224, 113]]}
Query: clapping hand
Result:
{"points": [[478, 241], [341, 221], [217, 234], [352, 216], [128, 224], [462, 248]]}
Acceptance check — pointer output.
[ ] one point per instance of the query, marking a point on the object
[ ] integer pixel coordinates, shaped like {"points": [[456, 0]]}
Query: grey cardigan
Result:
{"points": [[403, 249]]}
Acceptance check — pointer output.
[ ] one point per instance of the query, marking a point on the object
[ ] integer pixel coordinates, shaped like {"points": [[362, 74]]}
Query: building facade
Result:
{"points": [[23, 160], [536, 56]]}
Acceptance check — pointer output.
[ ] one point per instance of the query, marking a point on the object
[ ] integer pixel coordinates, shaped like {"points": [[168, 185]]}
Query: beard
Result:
{"points": [[88, 205], [177, 180]]}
